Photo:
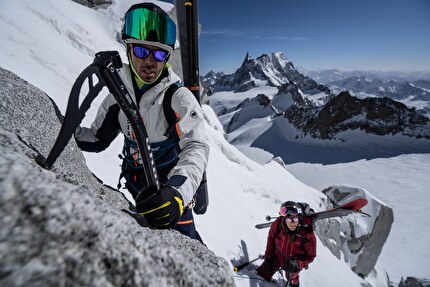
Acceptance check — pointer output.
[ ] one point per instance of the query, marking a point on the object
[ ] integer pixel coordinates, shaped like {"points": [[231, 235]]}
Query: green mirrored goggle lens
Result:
{"points": [[148, 25]]}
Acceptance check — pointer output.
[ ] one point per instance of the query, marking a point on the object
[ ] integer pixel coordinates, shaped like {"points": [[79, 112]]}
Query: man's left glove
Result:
{"points": [[291, 266], [162, 209]]}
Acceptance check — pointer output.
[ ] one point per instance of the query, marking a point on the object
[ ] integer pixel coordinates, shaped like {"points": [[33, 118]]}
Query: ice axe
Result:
{"points": [[243, 265]]}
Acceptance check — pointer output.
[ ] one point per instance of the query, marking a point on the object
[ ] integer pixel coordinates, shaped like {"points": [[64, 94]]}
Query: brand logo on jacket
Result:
{"points": [[194, 114]]}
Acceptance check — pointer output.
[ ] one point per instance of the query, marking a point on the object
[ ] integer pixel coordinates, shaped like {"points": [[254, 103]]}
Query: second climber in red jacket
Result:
{"points": [[291, 244]]}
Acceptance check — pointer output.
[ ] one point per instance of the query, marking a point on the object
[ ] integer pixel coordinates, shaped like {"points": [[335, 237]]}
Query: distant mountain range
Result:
{"points": [[330, 75], [414, 94], [371, 104]]}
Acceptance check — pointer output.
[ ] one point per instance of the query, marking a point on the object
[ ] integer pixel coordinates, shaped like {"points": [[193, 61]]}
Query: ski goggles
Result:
{"points": [[148, 25], [290, 211], [143, 53], [291, 219]]}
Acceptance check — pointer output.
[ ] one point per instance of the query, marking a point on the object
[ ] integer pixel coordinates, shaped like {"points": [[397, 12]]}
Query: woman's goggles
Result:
{"points": [[143, 53], [290, 211], [148, 25]]}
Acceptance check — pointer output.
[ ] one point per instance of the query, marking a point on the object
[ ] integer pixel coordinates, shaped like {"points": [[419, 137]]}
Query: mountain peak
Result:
{"points": [[247, 57], [272, 69]]}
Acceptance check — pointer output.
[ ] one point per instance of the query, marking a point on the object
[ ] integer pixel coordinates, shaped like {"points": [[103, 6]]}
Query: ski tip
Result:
{"points": [[364, 213], [356, 204]]}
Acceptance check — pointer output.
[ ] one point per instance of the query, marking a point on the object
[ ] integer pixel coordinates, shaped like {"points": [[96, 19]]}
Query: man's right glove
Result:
{"points": [[291, 266], [162, 209]]}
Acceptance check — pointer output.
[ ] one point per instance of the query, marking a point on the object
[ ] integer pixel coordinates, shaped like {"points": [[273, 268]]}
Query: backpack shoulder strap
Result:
{"points": [[169, 113]]}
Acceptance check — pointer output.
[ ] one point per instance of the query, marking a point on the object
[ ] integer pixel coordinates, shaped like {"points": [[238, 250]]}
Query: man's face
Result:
{"points": [[148, 68]]}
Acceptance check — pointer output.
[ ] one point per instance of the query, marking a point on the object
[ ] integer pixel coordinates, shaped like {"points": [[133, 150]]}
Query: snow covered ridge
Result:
{"points": [[63, 228]]}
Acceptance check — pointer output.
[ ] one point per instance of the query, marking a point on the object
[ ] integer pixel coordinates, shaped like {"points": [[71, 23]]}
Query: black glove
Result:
{"points": [[291, 266], [162, 209]]}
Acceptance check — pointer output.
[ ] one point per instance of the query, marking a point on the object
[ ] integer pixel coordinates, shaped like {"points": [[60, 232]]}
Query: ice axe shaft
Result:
{"points": [[243, 265]]}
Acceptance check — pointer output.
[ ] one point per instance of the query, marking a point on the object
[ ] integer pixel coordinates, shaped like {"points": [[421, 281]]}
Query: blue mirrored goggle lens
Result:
{"points": [[147, 25], [143, 53], [160, 55]]}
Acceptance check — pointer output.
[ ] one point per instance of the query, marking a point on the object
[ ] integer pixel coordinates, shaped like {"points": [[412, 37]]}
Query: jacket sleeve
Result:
{"points": [[104, 129], [309, 251], [193, 158], [271, 238]]}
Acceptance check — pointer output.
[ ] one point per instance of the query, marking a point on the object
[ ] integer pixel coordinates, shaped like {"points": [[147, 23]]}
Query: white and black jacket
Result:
{"points": [[194, 150]]}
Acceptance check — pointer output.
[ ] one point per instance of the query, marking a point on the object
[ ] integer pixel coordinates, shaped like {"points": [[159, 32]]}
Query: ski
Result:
{"points": [[105, 69], [264, 225], [352, 207], [188, 22]]}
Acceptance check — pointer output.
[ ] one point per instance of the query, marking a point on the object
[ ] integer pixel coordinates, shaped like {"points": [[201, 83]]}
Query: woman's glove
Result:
{"points": [[291, 266], [162, 209]]}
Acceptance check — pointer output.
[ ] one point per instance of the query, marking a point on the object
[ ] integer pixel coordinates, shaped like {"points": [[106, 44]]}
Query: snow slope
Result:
{"points": [[401, 182], [49, 42]]}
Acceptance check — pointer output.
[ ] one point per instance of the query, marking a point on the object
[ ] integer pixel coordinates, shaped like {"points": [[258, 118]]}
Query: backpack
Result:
{"points": [[307, 210], [201, 197]]}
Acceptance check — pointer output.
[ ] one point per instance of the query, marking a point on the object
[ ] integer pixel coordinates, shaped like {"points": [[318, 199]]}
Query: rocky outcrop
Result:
{"points": [[63, 228], [360, 239], [94, 3], [414, 282], [297, 96], [208, 81], [379, 116]]}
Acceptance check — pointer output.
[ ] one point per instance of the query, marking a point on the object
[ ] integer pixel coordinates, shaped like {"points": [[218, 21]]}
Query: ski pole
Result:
{"points": [[243, 265], [268, 217]]}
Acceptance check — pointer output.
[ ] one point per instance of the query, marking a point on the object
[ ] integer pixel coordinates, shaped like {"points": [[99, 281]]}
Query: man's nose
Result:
{"points": [[149, 59]]}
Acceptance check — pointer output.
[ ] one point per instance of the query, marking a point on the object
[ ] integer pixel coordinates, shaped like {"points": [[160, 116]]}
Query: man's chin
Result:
{"points": [[148, 77], [148, 80]]}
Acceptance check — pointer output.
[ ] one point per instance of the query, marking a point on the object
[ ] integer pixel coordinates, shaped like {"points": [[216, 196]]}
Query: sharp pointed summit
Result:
{"points": [[267, 70]]}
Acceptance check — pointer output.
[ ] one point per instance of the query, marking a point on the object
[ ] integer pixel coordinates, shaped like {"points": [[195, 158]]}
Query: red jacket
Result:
{"points": [[300, 245]]}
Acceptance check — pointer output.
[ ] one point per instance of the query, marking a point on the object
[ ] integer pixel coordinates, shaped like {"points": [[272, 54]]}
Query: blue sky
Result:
{"points": [[344, 34]]}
